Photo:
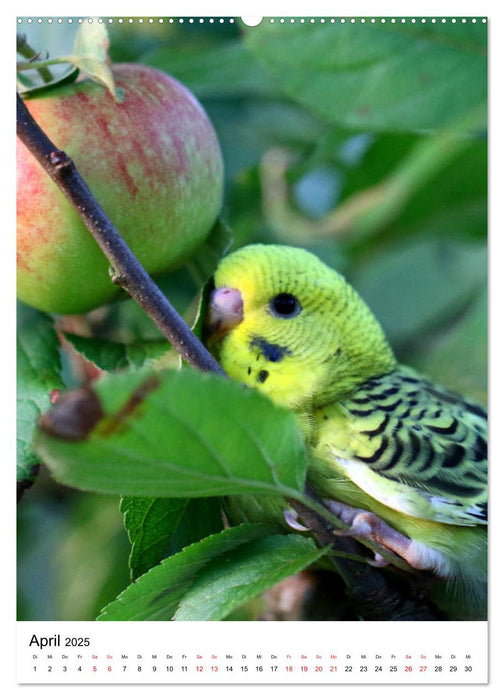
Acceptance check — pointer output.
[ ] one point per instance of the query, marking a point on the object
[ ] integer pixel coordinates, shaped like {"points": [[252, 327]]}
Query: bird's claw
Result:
{"points": [[378, 562], [291, 518]]}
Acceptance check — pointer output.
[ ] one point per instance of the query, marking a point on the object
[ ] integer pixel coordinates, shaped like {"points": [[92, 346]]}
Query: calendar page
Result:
{"points": [[251, 350]]}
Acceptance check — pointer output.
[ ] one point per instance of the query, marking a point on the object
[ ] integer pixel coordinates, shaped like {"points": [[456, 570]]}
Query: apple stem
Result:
{"points": [[127, 271]]}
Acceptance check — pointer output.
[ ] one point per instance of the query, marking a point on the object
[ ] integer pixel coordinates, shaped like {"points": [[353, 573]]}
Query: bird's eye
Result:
{"points": [[285, 305]]}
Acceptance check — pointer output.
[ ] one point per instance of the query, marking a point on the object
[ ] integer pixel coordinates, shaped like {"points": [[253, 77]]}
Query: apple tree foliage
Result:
{"points": [[363, 142]]}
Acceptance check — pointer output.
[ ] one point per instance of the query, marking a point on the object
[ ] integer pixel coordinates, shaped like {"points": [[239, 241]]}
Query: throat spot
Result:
{"points": [[262, 376], [270, 351]]}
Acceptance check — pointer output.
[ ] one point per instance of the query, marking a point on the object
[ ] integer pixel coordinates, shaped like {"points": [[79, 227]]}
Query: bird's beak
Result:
{"points": [[225, 313]]}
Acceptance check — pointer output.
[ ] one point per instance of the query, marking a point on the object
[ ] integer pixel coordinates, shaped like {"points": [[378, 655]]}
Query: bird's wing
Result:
{"points": [[417, 448]]}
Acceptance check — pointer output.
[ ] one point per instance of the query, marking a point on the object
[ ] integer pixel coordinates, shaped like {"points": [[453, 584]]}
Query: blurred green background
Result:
{"points": [[364, 142]]}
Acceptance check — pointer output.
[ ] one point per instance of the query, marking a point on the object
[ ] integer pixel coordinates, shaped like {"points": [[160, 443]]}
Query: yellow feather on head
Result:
{"points": [[299, 333]]}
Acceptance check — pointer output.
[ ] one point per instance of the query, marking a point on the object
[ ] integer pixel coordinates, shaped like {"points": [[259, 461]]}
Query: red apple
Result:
{"points": [[154, 164]]}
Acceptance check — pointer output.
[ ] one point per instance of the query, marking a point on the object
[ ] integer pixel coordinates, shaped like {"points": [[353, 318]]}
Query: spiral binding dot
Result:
{"points": [[271, 20]]}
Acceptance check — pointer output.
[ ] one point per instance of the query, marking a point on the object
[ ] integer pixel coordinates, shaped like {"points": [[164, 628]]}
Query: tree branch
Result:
{"points": [[127, 271]]}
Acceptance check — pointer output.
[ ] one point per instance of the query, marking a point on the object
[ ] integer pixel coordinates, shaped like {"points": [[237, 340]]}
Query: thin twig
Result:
{"points": [[127, 271]]}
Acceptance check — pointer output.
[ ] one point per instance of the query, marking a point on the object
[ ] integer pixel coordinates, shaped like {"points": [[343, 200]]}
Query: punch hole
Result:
{"points": [[252, 21]]}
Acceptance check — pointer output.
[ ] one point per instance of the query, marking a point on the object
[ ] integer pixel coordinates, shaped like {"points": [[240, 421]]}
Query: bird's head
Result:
{"points": [[282, 321]]}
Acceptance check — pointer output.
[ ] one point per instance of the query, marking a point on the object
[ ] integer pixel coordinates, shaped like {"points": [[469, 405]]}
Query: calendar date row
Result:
{"points": [[214, 668]]}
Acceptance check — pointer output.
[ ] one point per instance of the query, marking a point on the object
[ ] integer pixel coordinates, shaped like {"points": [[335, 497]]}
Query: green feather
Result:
{"points": [[411, 445]]}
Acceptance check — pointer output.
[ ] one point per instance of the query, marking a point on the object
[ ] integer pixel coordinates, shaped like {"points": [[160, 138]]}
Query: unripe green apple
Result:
{"points": [[154, 164]]}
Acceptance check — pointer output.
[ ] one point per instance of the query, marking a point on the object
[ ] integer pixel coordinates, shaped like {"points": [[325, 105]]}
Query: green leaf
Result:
{"points": [[247, 572], [90, 54], [177, 434], [159, 526], [246, 559], [458, 357], [69, 75], [204, 263], [202, 517], [392, 184], [444, 195], [212, 69], [150, 523], [38, 373], [111, 356], [381, 77], [454, 201], [413, 288], [246, 128], [375, 209]]}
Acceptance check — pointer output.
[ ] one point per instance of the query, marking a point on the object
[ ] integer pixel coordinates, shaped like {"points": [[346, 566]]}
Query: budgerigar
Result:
{"points": [[400, 460]]}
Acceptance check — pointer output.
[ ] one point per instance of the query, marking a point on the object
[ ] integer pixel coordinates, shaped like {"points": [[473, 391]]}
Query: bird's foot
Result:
{"points": [[368, 526]]}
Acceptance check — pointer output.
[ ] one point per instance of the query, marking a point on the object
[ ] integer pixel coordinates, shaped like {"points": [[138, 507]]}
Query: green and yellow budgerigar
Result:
{"points": [[400, 460]]}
